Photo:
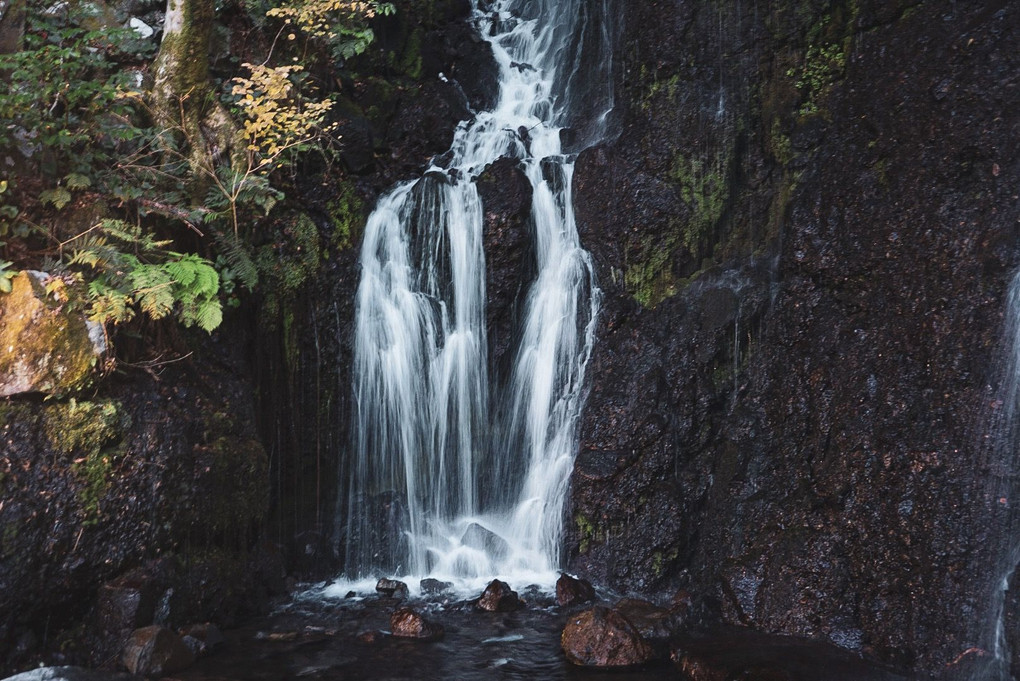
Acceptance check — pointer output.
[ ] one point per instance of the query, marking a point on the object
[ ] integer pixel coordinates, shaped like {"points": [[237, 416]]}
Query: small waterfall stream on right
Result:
{"points": [[1002, 448]]}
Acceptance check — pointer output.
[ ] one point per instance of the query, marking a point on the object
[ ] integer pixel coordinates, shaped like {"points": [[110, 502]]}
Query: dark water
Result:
{"points": [[327, 640]]}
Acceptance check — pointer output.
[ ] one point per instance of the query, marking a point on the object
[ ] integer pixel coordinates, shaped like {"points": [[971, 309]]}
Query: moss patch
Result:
{"points": [[91, 433], [346, 216], [704, 188]]}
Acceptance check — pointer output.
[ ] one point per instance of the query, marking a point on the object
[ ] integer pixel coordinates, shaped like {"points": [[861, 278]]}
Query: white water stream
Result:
{"points": [[433, 490]]}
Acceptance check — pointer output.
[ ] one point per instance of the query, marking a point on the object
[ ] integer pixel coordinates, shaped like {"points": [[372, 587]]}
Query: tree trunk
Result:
{"points": [[12, 25], [182, 97]]}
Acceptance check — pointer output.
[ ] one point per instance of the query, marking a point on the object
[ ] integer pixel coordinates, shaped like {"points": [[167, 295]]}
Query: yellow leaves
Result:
{"points": [[315, 17], [277, 118]]}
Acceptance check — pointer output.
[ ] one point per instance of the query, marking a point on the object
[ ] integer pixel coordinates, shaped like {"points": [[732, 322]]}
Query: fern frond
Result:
{"points": [[235, 252]]}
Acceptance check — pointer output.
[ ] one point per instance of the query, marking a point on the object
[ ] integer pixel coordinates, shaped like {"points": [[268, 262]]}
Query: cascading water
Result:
{"points": [[1002, 442], [450, 475]]}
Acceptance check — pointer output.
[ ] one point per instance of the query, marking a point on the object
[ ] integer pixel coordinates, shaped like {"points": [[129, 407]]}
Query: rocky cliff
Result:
{"points": [[805, 227]]}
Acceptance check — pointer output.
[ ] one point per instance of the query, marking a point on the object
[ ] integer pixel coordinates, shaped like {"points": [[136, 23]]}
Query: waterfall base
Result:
{"points": [[348, 638]]}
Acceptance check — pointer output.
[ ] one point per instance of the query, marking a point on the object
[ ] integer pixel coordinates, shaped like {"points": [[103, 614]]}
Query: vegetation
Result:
{"points": [[164, 202]]}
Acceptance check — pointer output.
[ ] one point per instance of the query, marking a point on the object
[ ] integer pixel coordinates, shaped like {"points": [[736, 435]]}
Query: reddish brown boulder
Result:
{"points": [[651, 621], [571, 590], [601, 637], [499, 597], [407, 623]]}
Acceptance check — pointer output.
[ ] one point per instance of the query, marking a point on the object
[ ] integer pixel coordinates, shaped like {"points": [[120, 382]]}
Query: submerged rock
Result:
{"points": [[156, 650], [478, 537], [571, 590], [408, 623], [601, 637], [499, 597], [434, 587], [46, 344]]}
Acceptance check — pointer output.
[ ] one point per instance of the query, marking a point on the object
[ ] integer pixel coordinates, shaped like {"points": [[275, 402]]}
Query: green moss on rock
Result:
{"points": [[44, 339], [346, 216], [90, 433]]}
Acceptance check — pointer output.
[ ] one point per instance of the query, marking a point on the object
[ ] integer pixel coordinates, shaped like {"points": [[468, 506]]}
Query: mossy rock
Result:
{"points": [[46, 344]]}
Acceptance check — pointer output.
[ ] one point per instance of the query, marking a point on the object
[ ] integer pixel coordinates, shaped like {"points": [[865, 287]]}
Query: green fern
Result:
{"points": [[235, 253], [152, 280]]}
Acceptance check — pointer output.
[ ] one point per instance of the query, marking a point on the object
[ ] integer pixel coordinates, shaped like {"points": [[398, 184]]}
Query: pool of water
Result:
{"points": [[338, 638]]}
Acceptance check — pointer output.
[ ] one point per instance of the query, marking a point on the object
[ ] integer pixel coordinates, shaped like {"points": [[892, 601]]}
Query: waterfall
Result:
{"points": [[450, 475], [1001, 446]]}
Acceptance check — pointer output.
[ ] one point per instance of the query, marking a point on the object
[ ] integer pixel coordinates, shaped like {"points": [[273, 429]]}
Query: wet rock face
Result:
{"points": [[154, 651], [804, 279], [510, 265], [135, 472], [601, 637], [426, 70]]}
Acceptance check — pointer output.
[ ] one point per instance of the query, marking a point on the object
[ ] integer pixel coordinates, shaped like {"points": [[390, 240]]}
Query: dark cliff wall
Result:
{"points": [[805, 227], [154, 474]]}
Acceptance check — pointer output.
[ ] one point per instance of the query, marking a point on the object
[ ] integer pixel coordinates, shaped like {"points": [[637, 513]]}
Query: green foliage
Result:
{"points": [[156, 282], [6, 275], [346, 215], [706, 190], [823, 66], [64, 105], [84, 153], [7, 211], [285, 266]]}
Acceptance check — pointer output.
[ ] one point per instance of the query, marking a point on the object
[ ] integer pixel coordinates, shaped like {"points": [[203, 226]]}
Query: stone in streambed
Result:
{"points": [[155, 650], [202, 638], [601, 637], [499, 597], [434, 587], [392, 588], [651, 621], [408, 623], [477, 537], [571, 590]]}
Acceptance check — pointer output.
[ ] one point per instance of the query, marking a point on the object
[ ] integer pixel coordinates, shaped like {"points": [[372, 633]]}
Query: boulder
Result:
{"points": [[571, 590], [651, 621], [601, 637], [408, 623], [434, 587], [499, 597], [156, 650], [391, 588], [46, 344], [490, 543], [202, 638], [128, 602]]}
